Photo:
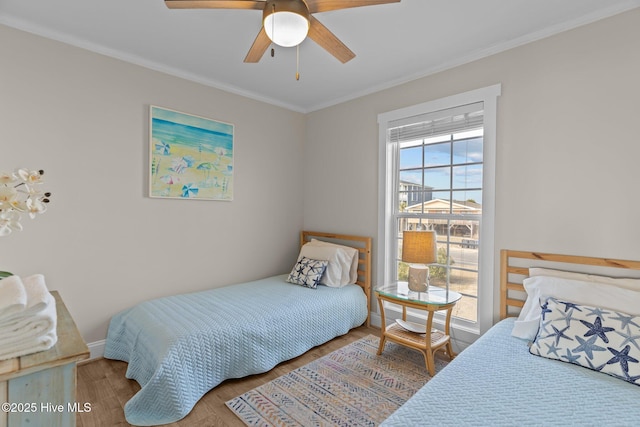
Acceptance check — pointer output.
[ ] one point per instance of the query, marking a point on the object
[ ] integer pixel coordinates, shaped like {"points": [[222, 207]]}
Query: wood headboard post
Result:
{"points": [[504, 277], [539, 259], [362, 244]]}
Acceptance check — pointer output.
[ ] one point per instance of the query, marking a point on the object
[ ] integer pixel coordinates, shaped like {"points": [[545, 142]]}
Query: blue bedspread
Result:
{"points": [[496, 382], [180, 347]]}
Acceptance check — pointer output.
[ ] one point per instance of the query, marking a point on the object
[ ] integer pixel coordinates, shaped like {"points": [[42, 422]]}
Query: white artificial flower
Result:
{"points": [[19, 205], [19, 192], [33, 191], [7, 178], [9, 221], [29, 177], [7, 195], [35, 206]]}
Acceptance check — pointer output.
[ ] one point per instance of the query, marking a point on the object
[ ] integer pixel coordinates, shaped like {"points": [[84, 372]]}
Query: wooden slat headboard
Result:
{"points": [[362, 244], [515, 264]]}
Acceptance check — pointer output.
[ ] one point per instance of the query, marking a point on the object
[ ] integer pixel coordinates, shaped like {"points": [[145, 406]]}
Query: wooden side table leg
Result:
{"points": [[381, 346], [447, 332], [383, 326], [430, 362], [428, 354]]}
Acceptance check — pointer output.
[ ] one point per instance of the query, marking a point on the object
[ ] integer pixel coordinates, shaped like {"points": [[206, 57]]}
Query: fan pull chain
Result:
{"points": [[298, 62], [273, 28]]}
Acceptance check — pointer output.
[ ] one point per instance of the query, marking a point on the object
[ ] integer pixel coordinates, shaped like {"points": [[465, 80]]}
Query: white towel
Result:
{"points": [[26, 328], [37, 298], [13, 296], [37, 294], [41, 343], [31, 326]]}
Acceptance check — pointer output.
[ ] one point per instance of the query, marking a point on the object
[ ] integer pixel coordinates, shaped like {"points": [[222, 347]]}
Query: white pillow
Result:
{"points": [[351, 252], [621, 282], [343, 262], [581, 292]]}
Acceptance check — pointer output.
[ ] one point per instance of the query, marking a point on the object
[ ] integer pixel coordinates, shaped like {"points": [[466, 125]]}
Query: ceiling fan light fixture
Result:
{"points": [[286, 22]]}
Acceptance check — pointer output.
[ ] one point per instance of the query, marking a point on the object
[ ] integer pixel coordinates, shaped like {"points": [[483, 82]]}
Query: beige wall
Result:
{"points": [[567, 143], [103, 243]]}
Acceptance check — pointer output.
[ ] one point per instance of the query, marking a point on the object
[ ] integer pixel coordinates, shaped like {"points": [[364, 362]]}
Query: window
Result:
{"points": [[437, 172]]}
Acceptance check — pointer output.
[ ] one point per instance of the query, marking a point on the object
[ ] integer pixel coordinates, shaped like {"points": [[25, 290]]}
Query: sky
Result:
{"points": [[439, 167]]}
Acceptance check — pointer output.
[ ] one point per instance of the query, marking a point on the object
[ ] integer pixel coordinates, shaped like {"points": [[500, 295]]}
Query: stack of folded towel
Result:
{"points": [[28, 316]]}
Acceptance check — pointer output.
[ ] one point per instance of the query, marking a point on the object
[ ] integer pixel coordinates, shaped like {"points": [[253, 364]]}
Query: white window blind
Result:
{"points": [[443, 122]]}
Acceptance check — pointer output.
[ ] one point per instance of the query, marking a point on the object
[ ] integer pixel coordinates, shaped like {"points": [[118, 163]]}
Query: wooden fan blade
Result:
{"points": [[259, 47], [328, 41], [214, 4], [316, 6]]}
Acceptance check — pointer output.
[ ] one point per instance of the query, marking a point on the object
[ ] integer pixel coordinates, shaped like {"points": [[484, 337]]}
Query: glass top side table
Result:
{"points": [[414, 335]]}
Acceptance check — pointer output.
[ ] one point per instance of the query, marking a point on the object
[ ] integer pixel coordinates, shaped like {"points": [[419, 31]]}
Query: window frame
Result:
{"points": [[387, 186]]}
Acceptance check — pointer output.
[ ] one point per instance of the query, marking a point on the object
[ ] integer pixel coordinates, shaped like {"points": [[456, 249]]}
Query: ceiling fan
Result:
{"points": [[286, 22]]}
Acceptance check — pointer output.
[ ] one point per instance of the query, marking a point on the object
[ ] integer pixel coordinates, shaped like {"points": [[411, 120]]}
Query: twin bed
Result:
{"points": [[580, 370], [180, 347]]}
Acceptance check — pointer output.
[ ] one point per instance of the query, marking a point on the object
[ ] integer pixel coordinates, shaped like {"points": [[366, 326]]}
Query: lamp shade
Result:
{"points": [[286, 22], [419, 247]]}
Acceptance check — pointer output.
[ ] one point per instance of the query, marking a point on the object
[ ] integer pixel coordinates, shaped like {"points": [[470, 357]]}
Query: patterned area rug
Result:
{"points": [[350, 387]]}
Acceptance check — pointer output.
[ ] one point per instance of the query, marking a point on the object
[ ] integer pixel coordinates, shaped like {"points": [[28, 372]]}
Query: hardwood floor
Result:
{"points": [[102, 383]]}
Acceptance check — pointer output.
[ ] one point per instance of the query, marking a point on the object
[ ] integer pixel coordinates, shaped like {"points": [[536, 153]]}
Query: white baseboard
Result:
{"points": [[97, 349], [375, 320]]}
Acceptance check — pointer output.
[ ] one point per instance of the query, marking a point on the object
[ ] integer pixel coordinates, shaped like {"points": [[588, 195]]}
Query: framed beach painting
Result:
{"points": [[191, 156]]}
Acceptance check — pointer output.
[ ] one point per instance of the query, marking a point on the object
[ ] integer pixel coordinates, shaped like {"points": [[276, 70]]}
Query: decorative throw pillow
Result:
{"points": [[600, 339], [589, 293], [307, 272]]}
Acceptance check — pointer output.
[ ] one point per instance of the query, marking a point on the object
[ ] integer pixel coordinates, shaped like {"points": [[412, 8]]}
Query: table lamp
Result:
{"points": [[419, 247]]}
